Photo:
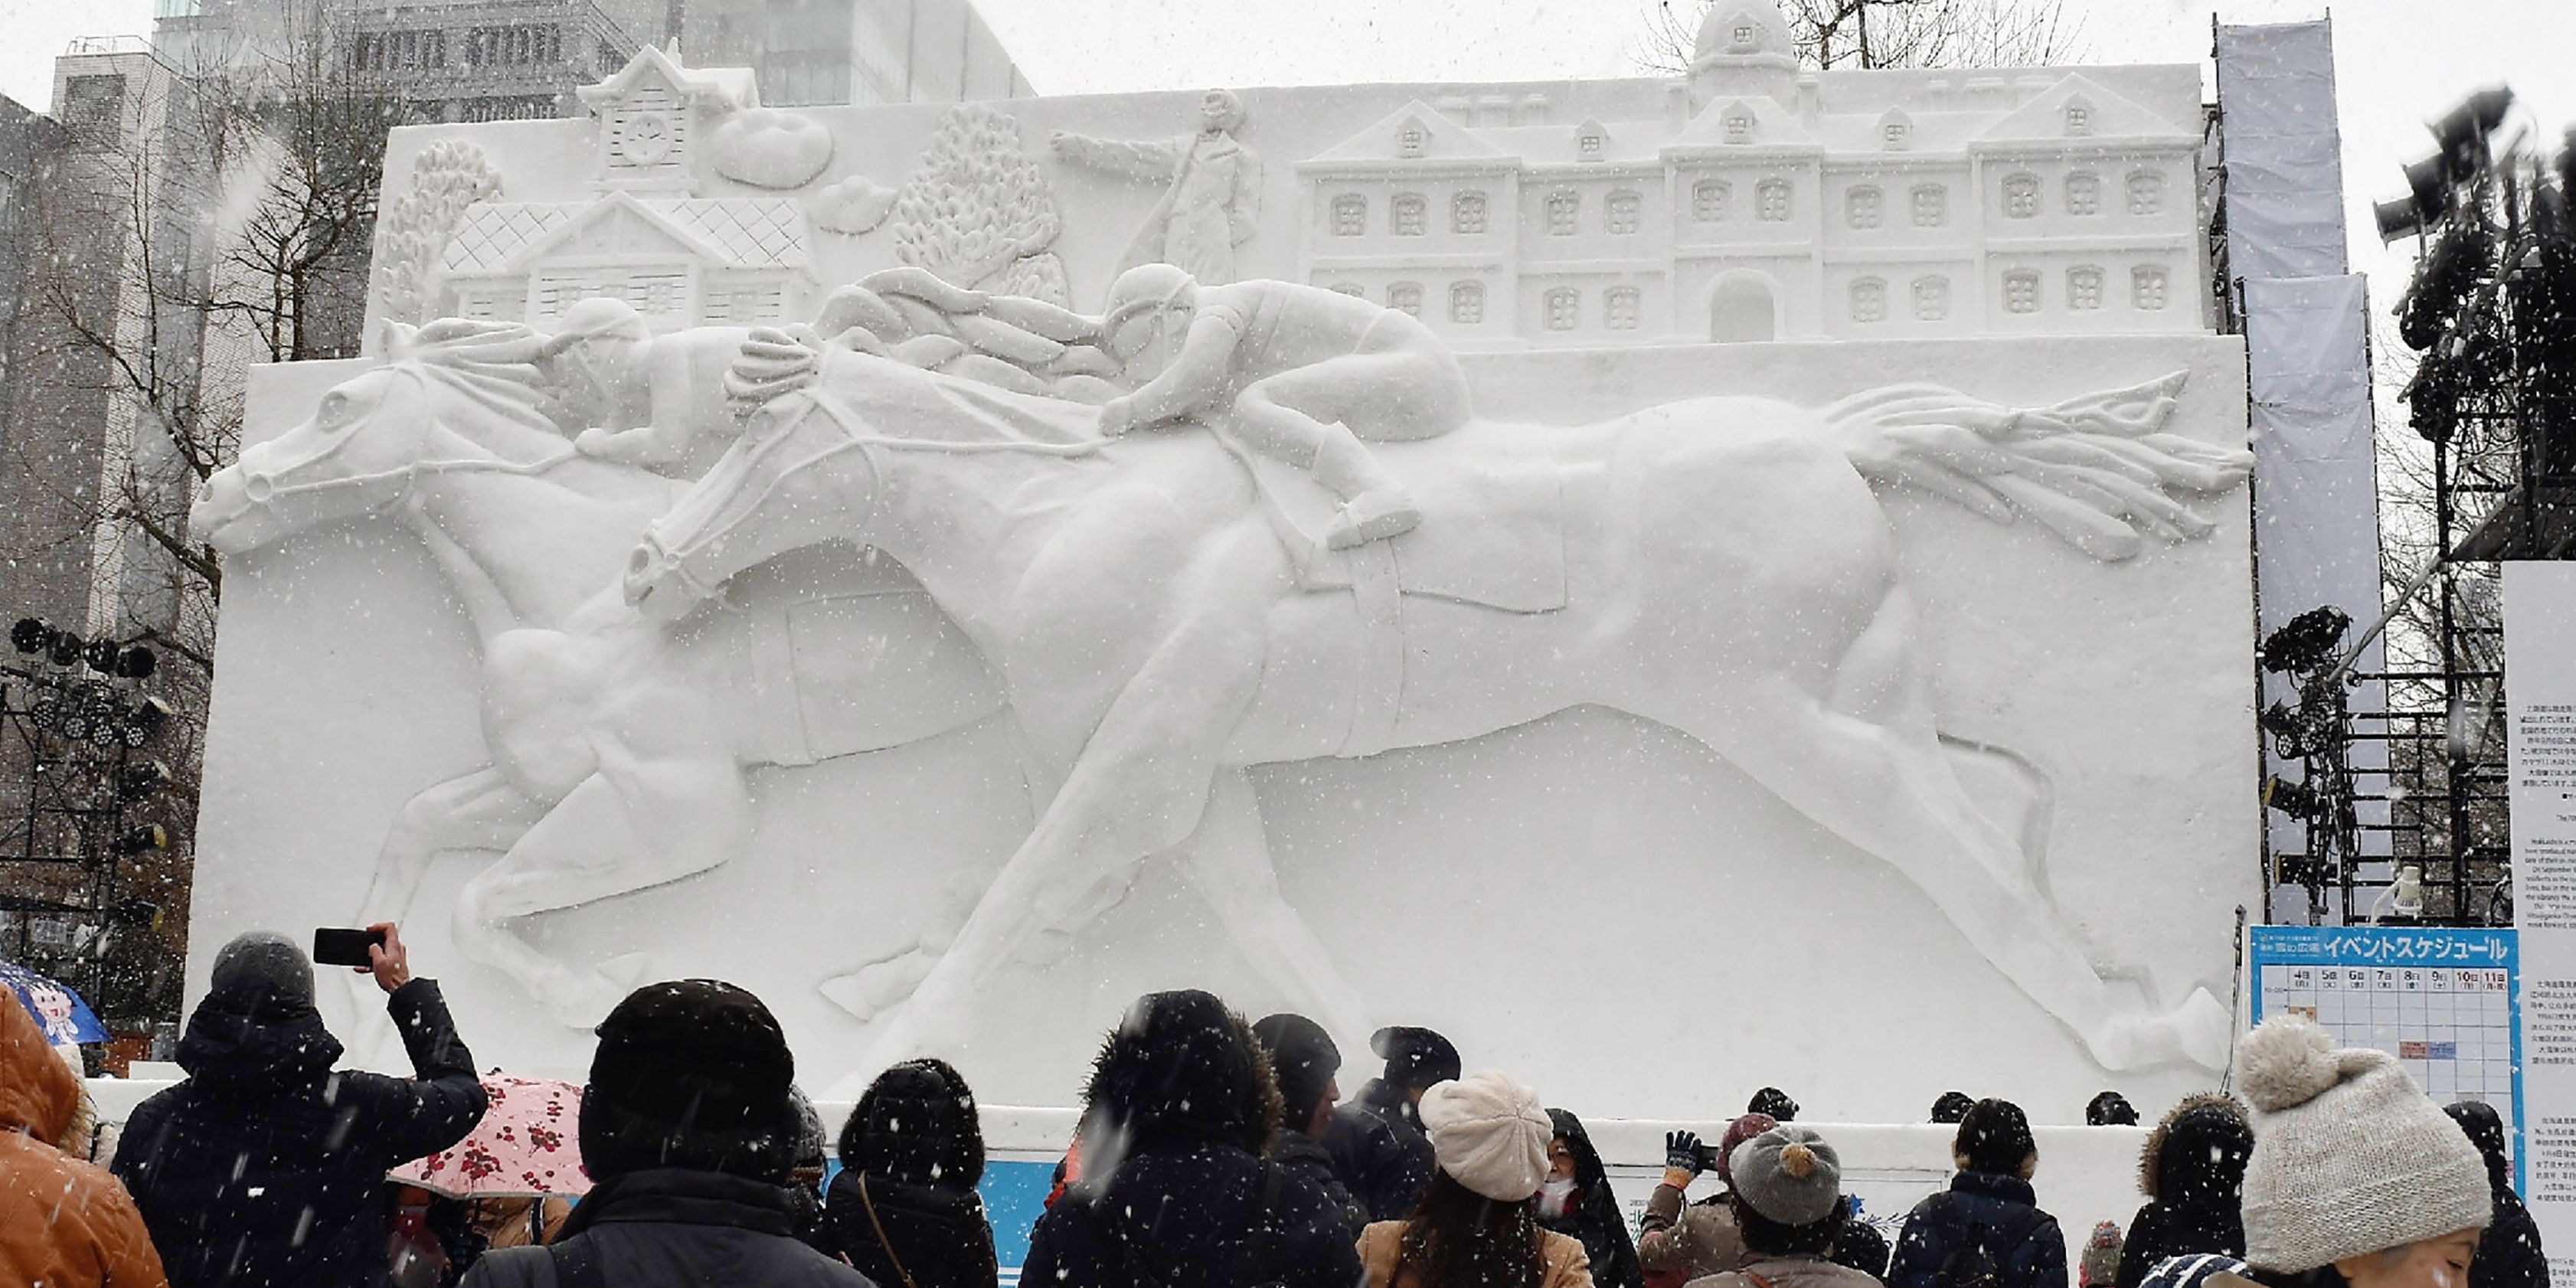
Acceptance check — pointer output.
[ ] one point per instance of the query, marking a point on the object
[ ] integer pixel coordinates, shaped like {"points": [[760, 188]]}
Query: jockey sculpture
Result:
{"points": [[1297, 373]]}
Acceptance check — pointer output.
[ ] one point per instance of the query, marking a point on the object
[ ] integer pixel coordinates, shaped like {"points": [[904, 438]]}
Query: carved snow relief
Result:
{"points": [[1211, 200], [977, 212], [852, 206], [447, 178], [768, 148]]}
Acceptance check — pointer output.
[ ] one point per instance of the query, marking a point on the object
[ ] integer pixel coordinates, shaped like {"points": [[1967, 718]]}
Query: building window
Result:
{"points": [[1619, 308], [1709, 200], [1564, 214], [2079, 118], [1564, 309], [1931, 206], [2021, 292], [1739, 125], [1744, 39], [1467, 212], [1411, 140], [1931, 298], [1773, 194], [1410, 214], [2084, 288], [2084, 194], [1405, 297], [2146, 193], [1626, 210], [1897, 136], [2147, 288], [2021, 196], [1861, 207], [1467, 303], [1350, 216], [1589, 144], [1869, 300], [1352, 289]]}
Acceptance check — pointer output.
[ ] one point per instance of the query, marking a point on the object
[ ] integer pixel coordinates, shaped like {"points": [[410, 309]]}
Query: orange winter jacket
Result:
{"points": [[62, 1221]]}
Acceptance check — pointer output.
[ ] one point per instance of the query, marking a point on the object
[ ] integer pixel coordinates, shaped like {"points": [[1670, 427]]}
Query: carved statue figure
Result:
{"points": [[617, 748], [1212, 198], [1298, 373], [637, 398], [1724, 570]]}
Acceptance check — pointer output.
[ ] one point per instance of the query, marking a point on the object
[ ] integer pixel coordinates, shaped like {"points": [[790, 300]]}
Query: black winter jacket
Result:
{"points": [[1380, 1151], [2509, 1253], [1305, 1158], [1600, 1222], [265, 1169], [675, 1227], [939, 1232], [2193, 1171], [1983, 1218], [1194, 1215]]}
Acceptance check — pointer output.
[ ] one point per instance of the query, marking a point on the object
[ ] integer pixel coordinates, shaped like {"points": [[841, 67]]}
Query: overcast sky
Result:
{"points": [[2398, 61]]}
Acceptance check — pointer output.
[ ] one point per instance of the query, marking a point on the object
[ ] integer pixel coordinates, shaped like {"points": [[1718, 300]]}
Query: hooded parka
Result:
{"points": [[1596, 1219], [62, 1221], [2192, 1171]]}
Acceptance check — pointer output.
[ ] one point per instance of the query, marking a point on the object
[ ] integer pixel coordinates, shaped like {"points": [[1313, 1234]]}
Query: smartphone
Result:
{"points": [[1709, 1157], [335, 946]]}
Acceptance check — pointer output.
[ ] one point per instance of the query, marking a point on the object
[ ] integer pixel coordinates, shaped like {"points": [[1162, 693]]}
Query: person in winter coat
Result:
{"points": [[1677, 1243], [1986, 1230], [1305, 1060], [2110, 1109], [1861, 1247], [2357, 1179], [904, 1209], [689, 1134], [1174, 1190], [1376, 1140], [1478, 1223], [1951, 1106], [2192, 1171], [2509, 1254], [62, 1221], [266, 1167], [1576, 1200], [1788, 1200]]}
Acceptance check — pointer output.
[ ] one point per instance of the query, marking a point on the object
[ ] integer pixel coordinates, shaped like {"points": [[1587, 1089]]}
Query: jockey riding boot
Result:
{"points": [[1374, 506]]}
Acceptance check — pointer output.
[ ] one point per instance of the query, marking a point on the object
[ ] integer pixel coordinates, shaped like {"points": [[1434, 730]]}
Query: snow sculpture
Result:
{"points": [[768, 148], [617, 750], [1150, 655], [977, 212], [853, 206], [1212, 196], [446, 179]]}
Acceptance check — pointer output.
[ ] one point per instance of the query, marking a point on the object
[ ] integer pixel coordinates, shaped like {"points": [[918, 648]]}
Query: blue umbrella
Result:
{"points": [[66, 1019]]}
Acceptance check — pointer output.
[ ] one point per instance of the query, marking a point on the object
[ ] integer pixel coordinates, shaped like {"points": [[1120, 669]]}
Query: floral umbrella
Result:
{"points": [[526, 1145]]}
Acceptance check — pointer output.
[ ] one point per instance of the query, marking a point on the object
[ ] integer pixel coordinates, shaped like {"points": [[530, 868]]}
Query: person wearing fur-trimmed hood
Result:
{"points": [[2192, 1170], [2357, 1179], [1174, 1188]]}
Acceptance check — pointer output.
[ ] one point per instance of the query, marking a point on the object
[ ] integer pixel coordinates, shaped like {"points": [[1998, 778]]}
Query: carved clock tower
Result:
{"points": [[651, 117]]}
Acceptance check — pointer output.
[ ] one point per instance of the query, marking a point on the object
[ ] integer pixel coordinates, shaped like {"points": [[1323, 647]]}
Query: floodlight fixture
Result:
{"points": [[145, 719], [136, 663], [2463, 130], [31, 634], [140, 779], [143, 839], [2298, 800], [64, 648], [2308, 643]]}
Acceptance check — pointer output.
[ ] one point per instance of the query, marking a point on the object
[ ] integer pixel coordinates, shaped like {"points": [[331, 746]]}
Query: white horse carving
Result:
{"points": [[1728, 572]]}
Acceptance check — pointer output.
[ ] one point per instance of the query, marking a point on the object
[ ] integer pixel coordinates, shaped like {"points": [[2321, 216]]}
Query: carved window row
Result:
{"points": [[1409, 214], [1622, 308], [2150, 288], [1864, 207], [2145, 189]]}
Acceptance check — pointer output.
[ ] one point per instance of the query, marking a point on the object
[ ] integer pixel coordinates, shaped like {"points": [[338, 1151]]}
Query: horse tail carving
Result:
{"points": [[2097, 469]]}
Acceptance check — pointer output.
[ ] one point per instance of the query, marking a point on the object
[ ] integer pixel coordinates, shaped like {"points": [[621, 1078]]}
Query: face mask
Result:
{"points": [[1556, 1199]]}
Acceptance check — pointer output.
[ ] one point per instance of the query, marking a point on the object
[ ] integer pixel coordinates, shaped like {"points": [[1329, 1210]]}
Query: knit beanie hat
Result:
{"points": [[1952, 1106], [263, 961], [1415, 1057], [1789, 1175], [2349, 1157], [1738, 1132], [1489, 1134], [1773, 1101], [694, 1073], [1302, 1057], [1994, 1136]]}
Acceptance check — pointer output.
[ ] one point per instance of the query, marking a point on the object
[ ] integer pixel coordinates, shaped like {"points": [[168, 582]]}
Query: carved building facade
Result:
{"points": [[1769, 202]]}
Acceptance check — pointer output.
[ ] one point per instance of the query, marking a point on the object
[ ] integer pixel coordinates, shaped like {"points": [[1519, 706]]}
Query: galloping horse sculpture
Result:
{"points": [[1727, 571], [616, 747]]}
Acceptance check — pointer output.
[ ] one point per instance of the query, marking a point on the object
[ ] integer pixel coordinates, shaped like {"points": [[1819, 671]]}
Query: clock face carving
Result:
{"points": [[646, 140]]}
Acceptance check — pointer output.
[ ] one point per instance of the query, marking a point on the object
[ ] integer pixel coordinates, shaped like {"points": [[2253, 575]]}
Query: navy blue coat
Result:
{"points": [[1982, 1219]]}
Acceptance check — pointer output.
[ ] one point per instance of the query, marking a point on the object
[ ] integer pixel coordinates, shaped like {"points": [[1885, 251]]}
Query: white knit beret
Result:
{"points": [[2349, 1157], [1489, 1133]]}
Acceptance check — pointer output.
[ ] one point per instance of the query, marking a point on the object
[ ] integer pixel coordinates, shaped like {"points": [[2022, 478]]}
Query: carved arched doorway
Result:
{"points": [[1743, 308]]}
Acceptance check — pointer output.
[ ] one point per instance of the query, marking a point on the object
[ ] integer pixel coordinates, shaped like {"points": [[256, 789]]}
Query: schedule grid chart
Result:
{"points": [[2442, 1001]]}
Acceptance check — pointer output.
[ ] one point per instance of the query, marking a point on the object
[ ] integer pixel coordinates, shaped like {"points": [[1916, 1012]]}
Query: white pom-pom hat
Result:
{"points": [[1490, 1134], [2349, 1156]]}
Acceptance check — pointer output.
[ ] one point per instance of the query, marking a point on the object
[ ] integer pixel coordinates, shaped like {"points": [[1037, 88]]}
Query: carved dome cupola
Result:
{"points": [[1745, 47]]}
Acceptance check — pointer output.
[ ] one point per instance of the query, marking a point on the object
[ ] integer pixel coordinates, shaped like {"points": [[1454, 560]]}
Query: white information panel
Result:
{"points": [[2540, 659]]}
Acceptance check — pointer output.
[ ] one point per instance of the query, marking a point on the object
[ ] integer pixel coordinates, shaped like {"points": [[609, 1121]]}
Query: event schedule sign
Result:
{"points": [[2540, 666]]}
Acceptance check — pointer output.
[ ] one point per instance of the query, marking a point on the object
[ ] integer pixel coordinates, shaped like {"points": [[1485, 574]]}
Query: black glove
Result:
{"points": [[1681, 1152]]}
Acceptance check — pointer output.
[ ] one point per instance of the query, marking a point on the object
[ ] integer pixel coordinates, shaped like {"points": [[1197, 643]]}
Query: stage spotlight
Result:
{"points": [[2298, 800], [101, 656], [31, 634], [136, 663], [143, 720], [2308, 643], [149, 836], [2463, 130], [140, 779], [65, 648]]}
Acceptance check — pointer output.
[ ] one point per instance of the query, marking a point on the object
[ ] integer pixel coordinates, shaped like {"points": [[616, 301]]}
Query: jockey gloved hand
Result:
{"points": [[774, 362]]}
